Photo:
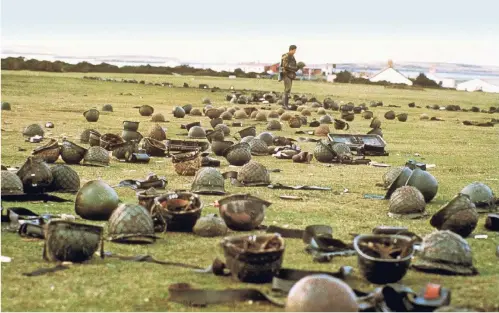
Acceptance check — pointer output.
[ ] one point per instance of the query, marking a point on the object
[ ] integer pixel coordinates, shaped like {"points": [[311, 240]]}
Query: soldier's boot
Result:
{"points": [[285, 101]]}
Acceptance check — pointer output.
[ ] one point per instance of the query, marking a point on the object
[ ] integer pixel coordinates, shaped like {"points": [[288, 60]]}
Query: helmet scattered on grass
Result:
{"points": [[158, 117], [399, 181], [390, 115], [253, 174], [390, 175], [274, 125], [323, 152], [35, 175], [92, 115], [178, 112], [258, 147], [65, 179], [218, 147], [71, 153], [146, 110], [326, 119], [49, 152], [107, 108], [267, 137], [248, 131], [157, 132], [11, 184], [6, 106], [481, 195], [425, 182], [96, 201], [96, 156], [85, 135], [225, 129], [445, 252], [286, 116], [210, 226], [242, 211], [407, 202], [197, 132], [238, 154], [208, 180], [458, 215], [226, 116], [196, 112], [187, 108], [33, 130], [131, 223]]}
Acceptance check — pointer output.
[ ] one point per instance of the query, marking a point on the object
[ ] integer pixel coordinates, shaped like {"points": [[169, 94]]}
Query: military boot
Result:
{"points": [[285, 101]]}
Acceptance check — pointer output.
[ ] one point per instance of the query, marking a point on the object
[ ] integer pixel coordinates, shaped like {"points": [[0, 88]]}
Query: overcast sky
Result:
{"points": [[228, 31]]}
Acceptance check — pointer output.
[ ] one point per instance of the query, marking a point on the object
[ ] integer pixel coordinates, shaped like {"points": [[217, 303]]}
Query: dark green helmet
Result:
{"points": [[208, 180], [11, 184], [178, 112], [213, 113], [71, 153], [157, 132], [65, 179], [447, 253], [458, 215], [72, 242], [218, 147], [258, 147], [210, 226], [253, 174], [481, 195], [323, 152], [96, 201], [238, 154], [146, 110], [131, 223], [399, 181], [375, 123], [425, 182], [92, 115], [267, 137], [390, 115], [35, 175], [127, 136], [187, 108], [107, 108], [5, 106], [215, 135], [407, 202], [96, 156], [33, 130]]}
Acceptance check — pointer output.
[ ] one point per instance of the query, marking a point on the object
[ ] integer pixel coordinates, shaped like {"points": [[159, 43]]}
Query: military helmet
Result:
{"points": [[71, 153], [218, 147], [85, 135], [146, 110], [35, 175], [49, 152], [261, 116], [323, 152], [210, 225], [5, 106], [375, 123], [253, 174], [197, 132], [178, 112], [286, 116], [258, 147], [322, 130], [375, 131], [225, 129], [11, 184], [326, 119], [195, 112], [247, 139], [402, 117], [267, 137], [481, 195], [341, 149], [321, 293], [295, 122], [33, 130], [248, 131], [208, 180], [424, 116], [226, 116], [390, 175], [107, 108], [306, 112], [213, 113], [65, 179], [390, 115], [96, 156], [96, 201], [238, 154], [91, 115], [445, 252], [458, 215], [367, 115], [158, 117], [187, 108], [399, 181], [274, 125], [321, 111], [243, 211], [157, 132], [127, 136], [406, 202], [273, 114], [131, 223], [206, 101], [425, 182], [215, 135], [240, 114]]}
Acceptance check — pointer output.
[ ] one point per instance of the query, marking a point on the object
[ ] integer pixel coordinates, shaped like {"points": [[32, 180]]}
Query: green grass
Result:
{"points": [[462, 154]]}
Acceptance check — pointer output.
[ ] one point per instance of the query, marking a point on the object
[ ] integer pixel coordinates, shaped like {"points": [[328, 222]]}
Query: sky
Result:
{"points": [[257, 31]]}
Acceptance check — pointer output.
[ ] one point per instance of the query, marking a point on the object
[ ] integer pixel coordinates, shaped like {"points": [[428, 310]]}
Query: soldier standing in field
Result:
{"points": [[288, 73]]}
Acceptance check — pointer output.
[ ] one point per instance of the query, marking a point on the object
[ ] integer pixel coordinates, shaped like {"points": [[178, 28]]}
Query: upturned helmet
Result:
{"points": [[253, 174], [131, 223], [96, 201], [96, 156], [242, 211], [208, 180], [323, 152], [445, 252], [481, 195], [458, 215], [407, 202], [65, 179]]}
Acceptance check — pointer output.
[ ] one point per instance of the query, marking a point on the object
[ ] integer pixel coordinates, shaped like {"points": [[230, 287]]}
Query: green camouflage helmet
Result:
{"points": [[323, 152], [481, 195], [65, 179], [33, 130], [258, 147], [238, 154], [390, 176], [208, 180], [85, 135], [131, 223], [458, 215], [341, 149], [445, 252], [11, 184], [253, 174], [210, 226], [72, 242], [96, 201], [425, 182], [267, 137], [407, 202], [96, 156]]}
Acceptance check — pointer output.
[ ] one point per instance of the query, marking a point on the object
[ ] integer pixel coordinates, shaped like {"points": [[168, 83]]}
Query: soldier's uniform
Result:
{"points": [[288, 69]]}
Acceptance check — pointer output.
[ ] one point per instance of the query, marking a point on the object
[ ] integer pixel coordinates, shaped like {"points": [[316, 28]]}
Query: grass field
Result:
{"points": [[462, 154]]}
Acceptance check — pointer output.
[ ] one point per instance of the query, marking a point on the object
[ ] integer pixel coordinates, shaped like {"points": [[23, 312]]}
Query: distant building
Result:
{"points": [[444, 82], [252, 67], [479, 85], [391, 75], [312, 71]]}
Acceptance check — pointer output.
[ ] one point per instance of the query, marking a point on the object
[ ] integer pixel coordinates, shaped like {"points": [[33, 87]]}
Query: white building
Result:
{"points": [[444, 82], [484, 85], [253, 67], [391, 75]]}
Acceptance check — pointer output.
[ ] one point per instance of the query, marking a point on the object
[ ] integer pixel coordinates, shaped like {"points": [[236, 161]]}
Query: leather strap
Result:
{"points": [[43, 271]]}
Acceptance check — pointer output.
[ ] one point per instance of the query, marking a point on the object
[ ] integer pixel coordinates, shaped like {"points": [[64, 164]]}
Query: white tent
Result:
{"points": [[444, 82], [391, 75], [479, 85]]}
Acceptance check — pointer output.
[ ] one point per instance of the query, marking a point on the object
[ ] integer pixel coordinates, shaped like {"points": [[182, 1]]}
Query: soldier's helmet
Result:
{"points": [[131, 223], [65, 179], [323, 152], [208, 180], [178, 112], [258, 147], [157, 132], [33, 130], [481, 195], [406, 202], [425, 182], [158, 117], [253, 173], [238, 154], [210, 225], [390, 175], [11, 184], [107, 108], [96, 156], [35, 175], [267, 137], [225, 129], [146, 110], [458, 215], [274, 125], [197, 132], [96, 201]]}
